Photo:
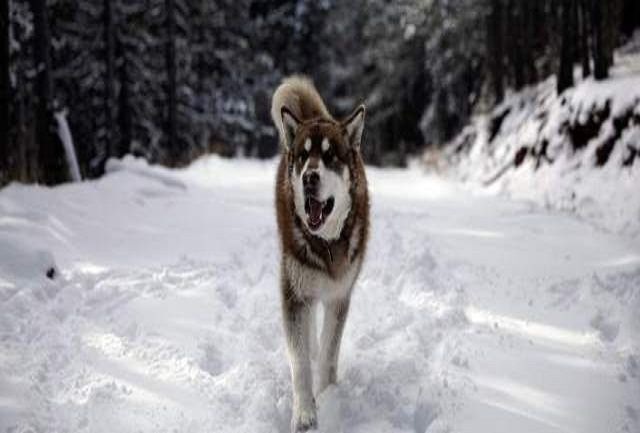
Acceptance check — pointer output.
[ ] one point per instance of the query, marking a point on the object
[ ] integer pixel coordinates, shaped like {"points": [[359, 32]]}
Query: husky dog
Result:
{"points": [[323, 220]]}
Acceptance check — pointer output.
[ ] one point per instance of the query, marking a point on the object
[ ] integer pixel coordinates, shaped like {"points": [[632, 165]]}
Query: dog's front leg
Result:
{"points": [[335, 316], [296, 322]]}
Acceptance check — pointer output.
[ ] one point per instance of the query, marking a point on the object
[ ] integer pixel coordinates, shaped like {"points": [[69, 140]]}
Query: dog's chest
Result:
{"points": [[314, 283]]}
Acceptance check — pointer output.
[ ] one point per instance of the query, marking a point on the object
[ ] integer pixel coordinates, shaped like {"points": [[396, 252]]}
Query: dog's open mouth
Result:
{"points": [[317, 211]]}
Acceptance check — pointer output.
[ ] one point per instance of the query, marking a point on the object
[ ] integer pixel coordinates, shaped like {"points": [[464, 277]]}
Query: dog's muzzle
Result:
{"points": [[317, 211]]}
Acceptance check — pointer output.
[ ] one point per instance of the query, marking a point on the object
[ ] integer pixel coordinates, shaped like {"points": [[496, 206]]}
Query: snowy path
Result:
{"points": [[473, 314]]}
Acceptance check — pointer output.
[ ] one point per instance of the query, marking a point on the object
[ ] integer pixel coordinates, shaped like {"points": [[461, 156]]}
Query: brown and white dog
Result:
{"points": [[323, 220]]}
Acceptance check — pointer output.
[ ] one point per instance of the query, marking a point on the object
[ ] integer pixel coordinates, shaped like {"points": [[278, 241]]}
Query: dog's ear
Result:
{"points": [[290, 125], [354, 125]]}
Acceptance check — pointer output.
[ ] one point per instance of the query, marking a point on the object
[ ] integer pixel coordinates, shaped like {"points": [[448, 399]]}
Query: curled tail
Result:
{"points": [[299, 96]]}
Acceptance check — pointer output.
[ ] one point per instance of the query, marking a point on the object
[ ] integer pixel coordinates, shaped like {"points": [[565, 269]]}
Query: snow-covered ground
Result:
{"points": [[579, 152], [473, 313]]}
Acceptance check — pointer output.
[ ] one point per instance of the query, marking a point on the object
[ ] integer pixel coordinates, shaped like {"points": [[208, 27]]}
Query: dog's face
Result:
{"points": [[321, 177]]}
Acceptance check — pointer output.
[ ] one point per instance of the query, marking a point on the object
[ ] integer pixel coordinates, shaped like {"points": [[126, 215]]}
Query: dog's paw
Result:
{"points": [[304, 419]]}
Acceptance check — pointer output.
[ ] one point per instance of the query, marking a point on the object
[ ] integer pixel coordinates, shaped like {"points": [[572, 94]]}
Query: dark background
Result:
{"points": [[170, 80]]}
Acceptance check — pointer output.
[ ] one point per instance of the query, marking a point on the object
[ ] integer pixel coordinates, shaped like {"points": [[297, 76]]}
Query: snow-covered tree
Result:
{"points": [[172, 79]]}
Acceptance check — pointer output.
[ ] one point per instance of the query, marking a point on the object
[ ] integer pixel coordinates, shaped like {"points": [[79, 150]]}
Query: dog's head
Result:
{"points": [[321, 153]]}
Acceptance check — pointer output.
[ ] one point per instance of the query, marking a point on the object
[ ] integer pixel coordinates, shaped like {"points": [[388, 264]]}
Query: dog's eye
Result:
{"points": [[329, 156], [303, 155]]}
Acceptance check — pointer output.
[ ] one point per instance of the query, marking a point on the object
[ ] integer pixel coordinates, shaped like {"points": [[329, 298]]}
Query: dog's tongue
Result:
{"points": [[315, 211]]}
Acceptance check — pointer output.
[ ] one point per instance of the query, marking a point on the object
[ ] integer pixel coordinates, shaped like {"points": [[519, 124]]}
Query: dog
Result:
{"points": [[322, 208]]}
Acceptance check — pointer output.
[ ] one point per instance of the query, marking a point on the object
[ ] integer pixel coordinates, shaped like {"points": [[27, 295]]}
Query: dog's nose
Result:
{"points": [[310, 180]]}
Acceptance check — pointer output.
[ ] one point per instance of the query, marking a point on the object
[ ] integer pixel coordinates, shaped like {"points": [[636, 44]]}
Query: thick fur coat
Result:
{"points": [[322, 208]]}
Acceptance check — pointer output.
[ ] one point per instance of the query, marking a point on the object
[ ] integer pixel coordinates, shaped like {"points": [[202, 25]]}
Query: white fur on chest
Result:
{"points": [[317, 284]]}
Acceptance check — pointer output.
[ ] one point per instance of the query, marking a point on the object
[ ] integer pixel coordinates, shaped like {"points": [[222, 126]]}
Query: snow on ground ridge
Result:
{"points": [[530, 155]]}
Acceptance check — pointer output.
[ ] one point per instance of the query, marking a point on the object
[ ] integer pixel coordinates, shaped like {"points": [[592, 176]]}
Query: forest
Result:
{"points": [[170, 80], [480, 273]]}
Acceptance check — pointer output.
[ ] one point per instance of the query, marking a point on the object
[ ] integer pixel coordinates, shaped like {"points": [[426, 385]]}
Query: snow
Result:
{"points": [[473, 313], [566, 179]]}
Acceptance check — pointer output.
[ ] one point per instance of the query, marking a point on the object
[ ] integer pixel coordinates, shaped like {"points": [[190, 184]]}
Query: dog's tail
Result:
{"points": [[298, 94]]}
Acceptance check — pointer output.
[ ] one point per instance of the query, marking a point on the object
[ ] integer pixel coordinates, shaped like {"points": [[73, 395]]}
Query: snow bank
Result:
{"points": [[577, 152], [141, 167], [19, 262]]}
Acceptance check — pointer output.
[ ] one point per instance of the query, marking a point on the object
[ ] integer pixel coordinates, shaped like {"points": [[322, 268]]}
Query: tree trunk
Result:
{"points": [[600, 64], [612, 27], [575, 31], [109, 30], [565, 75], [5, 102], [495, 49], [515, 37], [527, 8], [125, 115], [583, 16], [53, 167], [630, 17], [172, 145]]}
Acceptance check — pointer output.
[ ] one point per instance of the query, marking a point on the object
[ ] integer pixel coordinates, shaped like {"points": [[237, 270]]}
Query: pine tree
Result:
{"points": [[171, 79], [600, 56], [51, 155], [109, 77], [140, 33], [172, 143], [630, 17], [515, 37], [528, 46], [583, 17], [5, 86], [565, 75], [495, 49]]}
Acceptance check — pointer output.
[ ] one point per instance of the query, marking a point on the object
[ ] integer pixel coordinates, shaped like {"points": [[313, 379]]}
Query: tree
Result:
{"points": [[495, 49], [600, 56], [51, 155], [611, 28], [455, 78], [630, 17], [565, 75], [5, 85], [109, 77], [515, 38], [125, 113], [142, 74], [528, 11], [583, 29], [172, 143], [168, 80]]}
